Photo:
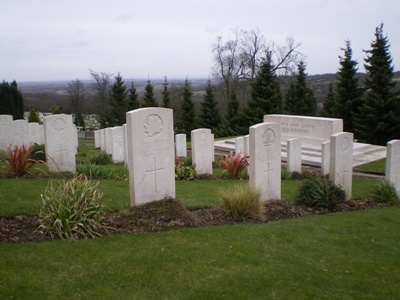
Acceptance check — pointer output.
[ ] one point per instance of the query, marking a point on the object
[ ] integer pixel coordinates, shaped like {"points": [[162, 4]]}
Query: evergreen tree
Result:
{"points": [[379, 118], [329, 104], [348, 99], [56, 111], [11, 100], [300, 98], [165, 94], [133, 102], [149, 100], [33, 117], [266, 97], [188, 118], [209, 117], [116, 115], [229, 125]]}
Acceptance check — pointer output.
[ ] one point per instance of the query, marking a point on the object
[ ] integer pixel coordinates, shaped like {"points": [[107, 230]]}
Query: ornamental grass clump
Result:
{"points": [[319, 191], [384, 192], [243, 201], [71, 209]]}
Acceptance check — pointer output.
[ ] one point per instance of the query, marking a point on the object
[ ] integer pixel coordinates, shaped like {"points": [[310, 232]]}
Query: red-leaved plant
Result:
{"points": [[19, 162], [234, 164]]}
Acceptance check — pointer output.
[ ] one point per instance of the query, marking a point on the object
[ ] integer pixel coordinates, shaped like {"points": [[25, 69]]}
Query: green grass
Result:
{"points": [[339, 256], [377, 166]]}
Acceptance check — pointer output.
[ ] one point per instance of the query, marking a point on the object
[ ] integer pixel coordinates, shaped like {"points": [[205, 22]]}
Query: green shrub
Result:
{"points": [[71, 210], [183, 170], [100, 158], [243, 201], [384, 192], [103, 172], [318, 191], [234, 164]]}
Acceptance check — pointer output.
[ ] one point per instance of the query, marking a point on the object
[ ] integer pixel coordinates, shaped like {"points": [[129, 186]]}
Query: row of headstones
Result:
{"points": [[58, 134]]}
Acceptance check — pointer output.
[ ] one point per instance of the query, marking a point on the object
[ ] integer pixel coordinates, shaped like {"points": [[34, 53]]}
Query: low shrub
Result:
{"points": [[99, 158], [319, 191], [234, 164], [71, 210], [243, 201], [19, 163], [384, 192], [103, 172], [184, 170], [38, 152]]}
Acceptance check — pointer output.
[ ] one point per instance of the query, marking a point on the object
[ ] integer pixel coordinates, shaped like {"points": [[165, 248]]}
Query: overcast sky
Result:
{"points": [[63, 39]]}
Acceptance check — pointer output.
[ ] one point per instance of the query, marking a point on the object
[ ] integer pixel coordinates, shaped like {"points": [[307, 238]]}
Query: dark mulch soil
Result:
{"points": [[168, 214]]}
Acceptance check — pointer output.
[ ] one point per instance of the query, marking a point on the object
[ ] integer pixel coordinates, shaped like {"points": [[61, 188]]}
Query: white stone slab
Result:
{"points": [[239, 145], [41, 132], [202, 150], [20, 132], [108, 140], [118, 144], [151, 154], [103, 139], [33, 133], [341, 161], [310, 130], [325, 157], [60, 139], [294, 155], [6, 138], [97, 138], [265, 159], [392, 172], [180, 145], [125, 141]]}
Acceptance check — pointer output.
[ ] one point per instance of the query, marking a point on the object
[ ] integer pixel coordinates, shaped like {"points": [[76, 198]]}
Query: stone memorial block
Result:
{"points": [[246, 142], [34, 133], [6, 138], [60, 139], [125, 140], [325, 157], [41, 132], [180, 145], [310, 130], [103, 139], [265, 159], [150, 133], [20, 132], [97, 138], [76, 140], [118, 144], [341, 161], [239, 145], [109, 140], [202, 150], [392, 172], [294, 155]]}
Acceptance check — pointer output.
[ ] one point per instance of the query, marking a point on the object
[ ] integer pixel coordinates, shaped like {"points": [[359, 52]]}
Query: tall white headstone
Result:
{"points": [[108, 140], [265, 159], [125, 136], [325, 157], [6, 138], [20, 132], [118, 144], [202, 150], [239, 145], [41, 132], [103, 139], [341, 161], [180, 145], [97, 138], [294, 155], [151, 154], [60, 139], [33, 133], [392, 172]]}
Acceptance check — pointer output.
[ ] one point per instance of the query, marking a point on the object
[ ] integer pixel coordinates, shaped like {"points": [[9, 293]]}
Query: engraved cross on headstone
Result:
{"points": [[155, 170], [268, 170]]}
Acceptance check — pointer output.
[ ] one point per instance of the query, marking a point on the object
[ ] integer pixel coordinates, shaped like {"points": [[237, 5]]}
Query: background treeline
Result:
{"points": [[251, 78]]}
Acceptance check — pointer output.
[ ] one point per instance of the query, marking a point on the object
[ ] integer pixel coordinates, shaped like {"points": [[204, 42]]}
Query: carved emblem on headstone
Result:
{"points": [[344, 144], [59, 124], [153, 125], [268, 137]]}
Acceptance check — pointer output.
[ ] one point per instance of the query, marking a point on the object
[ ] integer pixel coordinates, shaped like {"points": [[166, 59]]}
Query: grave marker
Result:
{"points": [[20, 132], [6, 139], [294, 155], [392, 172], [117, 144], [202, 150], [180, 145]]}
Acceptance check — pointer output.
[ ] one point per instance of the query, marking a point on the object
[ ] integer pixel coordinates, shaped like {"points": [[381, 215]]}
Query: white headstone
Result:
{"points": [[202, 150], [108, 140], [118, 144], [125, 136], [60, 143], [97, 138], [41, 132], [265, 159], [33, 133], [180, 145], [239, 145], [103, 139], [246, 143], [393, 163], [325, 157], [341, 161], [76, 140], [151, 154], [6, 139], [20, 132], [294, 155]]}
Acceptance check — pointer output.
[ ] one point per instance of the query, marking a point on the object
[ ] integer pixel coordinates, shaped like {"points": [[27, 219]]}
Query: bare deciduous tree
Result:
{"points": [[76, 94], [101, 87]]}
